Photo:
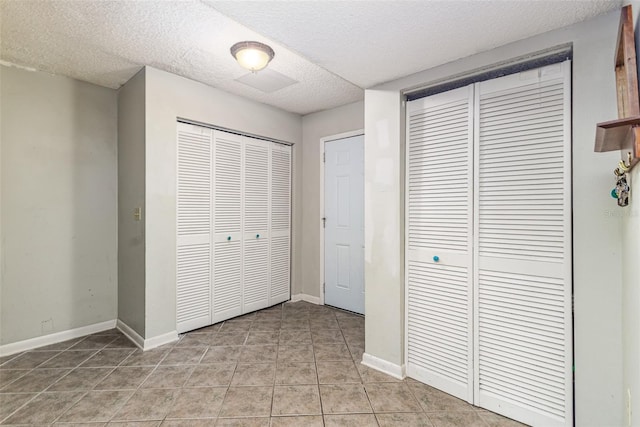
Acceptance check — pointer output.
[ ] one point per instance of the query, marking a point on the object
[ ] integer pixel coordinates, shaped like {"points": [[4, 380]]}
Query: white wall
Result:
{"points": [[167, 97], [58, 206], [316, 126], [131, 182], [597, 249]]}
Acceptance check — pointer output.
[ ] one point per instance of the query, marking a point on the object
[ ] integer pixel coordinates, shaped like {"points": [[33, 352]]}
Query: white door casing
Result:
{"points": [[344, 223]]}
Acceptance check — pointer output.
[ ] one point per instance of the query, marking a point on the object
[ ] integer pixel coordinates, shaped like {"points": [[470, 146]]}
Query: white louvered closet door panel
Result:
{"points": [[228, 208], [280, 218], [439, 221], [523, 241], [256, 191], [193, 281]]}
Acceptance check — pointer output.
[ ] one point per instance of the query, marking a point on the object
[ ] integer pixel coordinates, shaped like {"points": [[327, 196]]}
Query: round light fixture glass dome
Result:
{"points": [[253, 56]]}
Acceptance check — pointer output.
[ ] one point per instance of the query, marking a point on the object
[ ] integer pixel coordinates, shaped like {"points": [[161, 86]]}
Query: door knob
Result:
{"points": [[436, 258]]}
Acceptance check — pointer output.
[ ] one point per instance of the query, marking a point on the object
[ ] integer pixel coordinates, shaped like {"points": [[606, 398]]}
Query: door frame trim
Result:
{"points": [[324, 140]]}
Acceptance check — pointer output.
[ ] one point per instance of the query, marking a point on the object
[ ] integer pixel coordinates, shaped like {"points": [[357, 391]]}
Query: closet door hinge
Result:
{"points": [[324, 157]]}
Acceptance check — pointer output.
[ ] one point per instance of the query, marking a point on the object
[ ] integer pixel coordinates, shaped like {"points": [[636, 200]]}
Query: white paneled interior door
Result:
{"points": [[344, 223], [193, 289], [439, 254], [518, 191], [233, 225]]}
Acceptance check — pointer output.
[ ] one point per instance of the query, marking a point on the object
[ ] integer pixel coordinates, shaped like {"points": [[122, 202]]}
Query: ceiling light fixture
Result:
{"points": [[253, 56]]}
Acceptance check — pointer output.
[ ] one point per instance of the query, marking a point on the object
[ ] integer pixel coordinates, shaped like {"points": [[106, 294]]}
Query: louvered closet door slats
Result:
{"points": [[439, 219], [523, 265], [193, 267], [228, 208], [280, 250], [256, 193]]}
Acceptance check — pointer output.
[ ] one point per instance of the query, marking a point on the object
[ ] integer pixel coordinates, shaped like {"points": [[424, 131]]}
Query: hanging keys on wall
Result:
{"points": [[621, 190]]}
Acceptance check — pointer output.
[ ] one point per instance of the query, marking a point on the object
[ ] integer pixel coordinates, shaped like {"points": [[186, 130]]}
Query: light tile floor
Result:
{"points": [[295, 364]]}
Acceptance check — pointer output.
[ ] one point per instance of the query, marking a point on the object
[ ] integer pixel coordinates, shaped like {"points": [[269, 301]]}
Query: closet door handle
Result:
{"points": [[257, 236], [436, 258], [229, 238]]}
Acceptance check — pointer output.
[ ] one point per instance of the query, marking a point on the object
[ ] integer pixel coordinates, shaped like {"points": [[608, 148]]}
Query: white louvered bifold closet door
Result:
{"points": [[256, 191], [439, 221], [523, 246], [193, 289], [280, 218], [228, 208]]}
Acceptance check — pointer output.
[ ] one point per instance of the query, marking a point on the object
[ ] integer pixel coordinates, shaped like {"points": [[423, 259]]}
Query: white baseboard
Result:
{"points": [[130, 333], [146, 344], [31, 343], [396, 371], [159, 340], [305, 297]]}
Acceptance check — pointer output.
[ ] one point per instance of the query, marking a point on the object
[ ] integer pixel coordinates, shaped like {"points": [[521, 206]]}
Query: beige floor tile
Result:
{"points": [[356, 322], [60, 345], [297, 421], [370, 375], [433, 400], [203, 402], [259, 353], [263, 337], [456, 419], [36, 380], [168, 377], [356, 420], [415, 419], [495, 420], [184, 356], [122, 342], [340, 372], [243, 422], [327, 336], [134, 423], [266, 326], [296, 400], [108, 357], [44, 408], [68, 359], [80, 379], [94, 342], [344, 399], [295, 353], [322, 323], [96, 406], [293, 324], [233, 338], [267, 316], [247, 402], [152, 404], [223, 353], [218, 374], [201, 422], [254, 374], [295, 337], [125, 378], [209, 329], [331, 352], [196, 340], [8, 376], [29, 360], [233, 327], [291, 373], [9, 402], [145, 358], [59, 424], [391, 397]]}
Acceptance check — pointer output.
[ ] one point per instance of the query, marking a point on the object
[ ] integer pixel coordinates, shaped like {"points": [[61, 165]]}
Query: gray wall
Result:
{"points": [[315, 127], [167, 97], [131, 181], [597, 248], [58, 204]]}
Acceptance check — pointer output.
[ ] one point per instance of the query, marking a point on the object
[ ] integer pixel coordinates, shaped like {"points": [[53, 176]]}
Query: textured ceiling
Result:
{"points": [[332, 49]]}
